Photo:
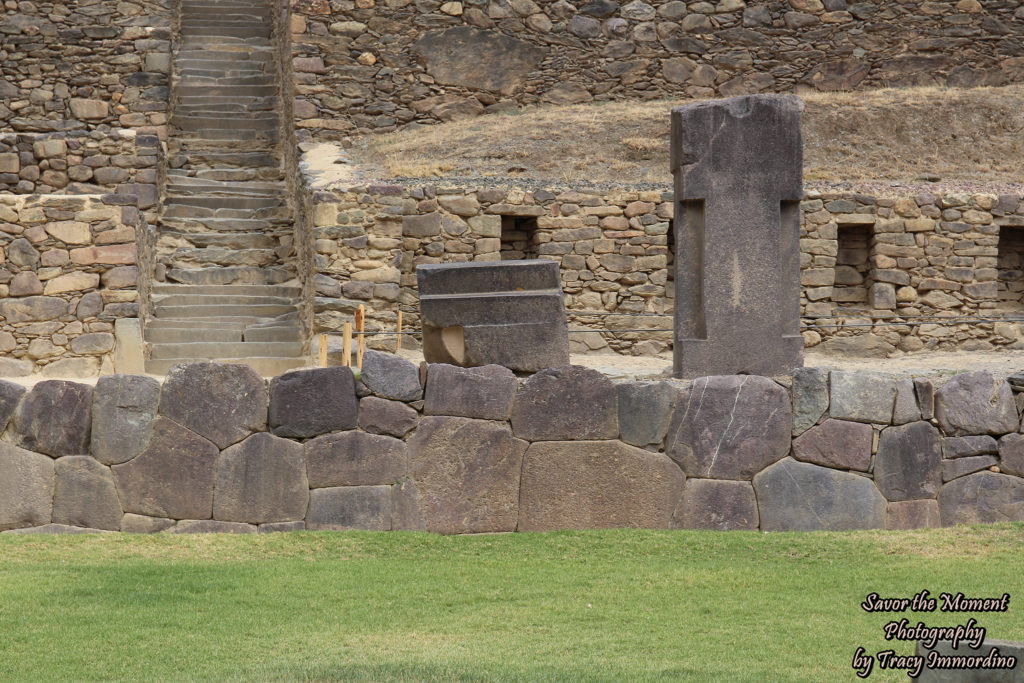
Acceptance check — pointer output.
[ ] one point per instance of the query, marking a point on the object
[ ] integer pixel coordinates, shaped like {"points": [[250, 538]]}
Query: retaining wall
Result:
{"points": [[451, 450]]}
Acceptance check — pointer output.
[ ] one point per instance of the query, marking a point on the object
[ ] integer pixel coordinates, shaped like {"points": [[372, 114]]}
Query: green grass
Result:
{"points": [[580, 606]]}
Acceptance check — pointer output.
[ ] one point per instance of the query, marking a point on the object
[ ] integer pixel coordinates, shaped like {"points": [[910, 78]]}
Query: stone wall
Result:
{"points": [[453, 450], [82, 64], [383, 64], [68, 272]]}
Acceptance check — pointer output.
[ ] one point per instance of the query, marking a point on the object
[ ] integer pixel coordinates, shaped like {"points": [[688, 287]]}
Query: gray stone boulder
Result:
{"points": [[210, 526], [645, 410], [220, 402], [1011, 454], [390, 376], [717, 504], [84, 494], [10, 394], [596, 484], [730, 427], [797, 496], [966, 446], [908, 464], [26, 487], [277, 527], [405, 511], [350, 507], [123, 410], [355, 459], [568, 403], [925, 391], [467, 474], [173, 476], [54, 418], [975, 403], [982, 498], [961, 467], [810, 398], [905, 409], [58, 529], [484, 392], [305, 403], [912, 514], [381, 416], [141, 524], [261, 479], [836, 443], [862, 397]]}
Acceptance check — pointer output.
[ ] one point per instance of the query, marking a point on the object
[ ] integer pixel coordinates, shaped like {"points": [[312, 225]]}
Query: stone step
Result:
{"points": [[226, 185], [237, 240], [183, 335], [193, 299], [242, 349], [182, 211], [235, 275], [213, 33], [261, 105], [217, 310], [224, 290], [184, 257], [237, 323], [218, 225], [240, 174], [240, 70], [279, 333], [266, 367], [183, 90], [224, 137], [257, 122], [178, 189], [222, 158], [212, 202]]}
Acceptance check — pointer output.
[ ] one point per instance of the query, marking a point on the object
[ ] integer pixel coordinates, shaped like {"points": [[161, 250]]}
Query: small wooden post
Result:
{"points": [[399, 348], [323, 350], [360, 329], [346, 345]]}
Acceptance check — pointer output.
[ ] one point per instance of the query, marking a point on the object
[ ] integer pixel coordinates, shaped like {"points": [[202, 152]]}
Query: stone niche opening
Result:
{"points": [[1011, 268], [852, 286], [518, 237]]}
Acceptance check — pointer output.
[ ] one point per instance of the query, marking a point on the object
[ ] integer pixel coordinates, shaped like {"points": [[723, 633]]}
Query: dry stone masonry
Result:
{"points": [[468, 450]]}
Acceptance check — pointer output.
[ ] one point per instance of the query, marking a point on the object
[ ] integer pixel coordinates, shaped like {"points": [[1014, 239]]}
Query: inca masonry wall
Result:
{"points": [[452, 450]]}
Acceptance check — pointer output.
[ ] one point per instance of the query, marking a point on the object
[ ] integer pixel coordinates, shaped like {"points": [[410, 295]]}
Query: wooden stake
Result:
{"points": [[346, 345], [360, 328], [323, 350], [399, 331]]}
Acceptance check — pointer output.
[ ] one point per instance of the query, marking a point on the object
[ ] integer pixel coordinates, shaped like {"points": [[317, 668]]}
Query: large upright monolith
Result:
{"points": [[738, 183]]}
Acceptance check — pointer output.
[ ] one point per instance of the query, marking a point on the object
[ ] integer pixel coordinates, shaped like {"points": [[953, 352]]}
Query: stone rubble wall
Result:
{"points": [[378, 65], [67, 271], [85, 65], [453, 450]]}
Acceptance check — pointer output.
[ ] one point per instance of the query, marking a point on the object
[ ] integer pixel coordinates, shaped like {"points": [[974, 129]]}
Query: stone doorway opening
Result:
{"points": [[1010, 286], [518, 237], [853, 266]]}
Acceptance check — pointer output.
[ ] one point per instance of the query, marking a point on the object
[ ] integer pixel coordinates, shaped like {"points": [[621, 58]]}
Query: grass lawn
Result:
{"points": [[572, 606]]}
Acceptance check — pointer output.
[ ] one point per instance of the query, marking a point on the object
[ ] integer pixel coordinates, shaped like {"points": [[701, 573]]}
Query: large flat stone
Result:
{"points": [[172, 477], [596, 484], [966, 446], [54, 418], [862, 397], [305, 403], [1011, 454], [123, 410], [912, 514], [391, 418], [210, 526], [797, 496], [477, 59], [26, 487], [220, 402], [836, 443], [645, 410], [350, 507], [10, 395], [730, 427], [810, 398], [906, 408], [84, 494], [567, 403], [141, 524], [975, 403], [355, 459], [982, 498], [961, 467], [717, 504], [33, 309], [262, 479], [908, 465], [484, 392], [466, 474], [389, 376]]}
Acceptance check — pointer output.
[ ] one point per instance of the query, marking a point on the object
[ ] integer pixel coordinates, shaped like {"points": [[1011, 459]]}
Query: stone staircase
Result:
{"points": [[225, 226]]}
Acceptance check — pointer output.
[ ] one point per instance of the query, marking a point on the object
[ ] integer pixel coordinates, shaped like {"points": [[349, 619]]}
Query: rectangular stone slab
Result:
{"points": [[738, 167], [509, 313]]}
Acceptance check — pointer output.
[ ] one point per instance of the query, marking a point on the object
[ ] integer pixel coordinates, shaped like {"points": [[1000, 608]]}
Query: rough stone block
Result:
{"points": [[730, 427], [466, 474], [84, 494], [305, 403], [141, 524], [57, 529], [975, 403], [355, 459], [966, 446], [261, 479], [10, 395], [173, 476], [717, 504], [796, 496], [123, 410], [912, 514], [906, 408], [925, 391], [908, 465], [509, 313], [275, 527], [952, 469], [862, 397], [484, 392], [645, 410], [26, 487], [1011, 454], [836, 443], [566, 403], [391, 376], [597, 484], [350, 507], [210, 526], [982, 498], [381, 416], [222, 403], [810, 398], [54, 418]]}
